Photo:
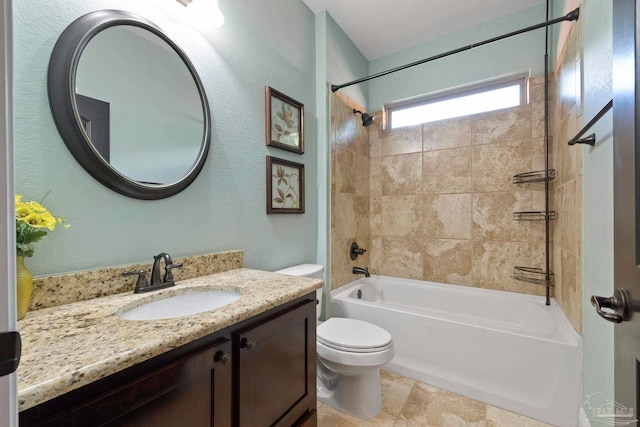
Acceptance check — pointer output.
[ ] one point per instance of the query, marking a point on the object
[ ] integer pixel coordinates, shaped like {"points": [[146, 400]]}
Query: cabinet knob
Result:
{"points": [[222, 358], [249, 345]]}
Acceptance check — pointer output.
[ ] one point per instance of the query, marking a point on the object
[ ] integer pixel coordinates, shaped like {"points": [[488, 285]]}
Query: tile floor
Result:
{"points": [[410, 403]]}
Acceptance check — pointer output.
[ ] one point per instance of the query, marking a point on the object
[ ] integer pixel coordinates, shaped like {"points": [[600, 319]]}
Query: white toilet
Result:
{"points": [[350, 354]]}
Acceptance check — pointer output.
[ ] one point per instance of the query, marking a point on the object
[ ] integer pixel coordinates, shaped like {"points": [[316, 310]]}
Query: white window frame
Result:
{"points": [[521, 79]]}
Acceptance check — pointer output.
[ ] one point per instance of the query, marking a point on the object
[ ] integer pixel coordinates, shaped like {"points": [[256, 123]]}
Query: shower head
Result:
{"points": [[366, 118]]}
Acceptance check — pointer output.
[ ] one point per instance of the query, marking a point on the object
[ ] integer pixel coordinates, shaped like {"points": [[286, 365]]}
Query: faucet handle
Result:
{"points": [[171, 266], [141, 283], [355, 250], [168, 275]]}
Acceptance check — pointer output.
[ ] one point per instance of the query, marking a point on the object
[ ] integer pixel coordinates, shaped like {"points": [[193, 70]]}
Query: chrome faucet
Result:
{"points": [[360, 270]]}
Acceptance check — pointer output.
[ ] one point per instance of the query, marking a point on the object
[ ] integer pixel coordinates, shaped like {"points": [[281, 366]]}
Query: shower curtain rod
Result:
{"points": [[571, 16]]}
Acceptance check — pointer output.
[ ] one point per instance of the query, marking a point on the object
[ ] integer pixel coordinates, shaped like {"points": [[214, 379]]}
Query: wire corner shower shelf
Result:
{"points": [[535, 176], [535, 216], [534, 275]]}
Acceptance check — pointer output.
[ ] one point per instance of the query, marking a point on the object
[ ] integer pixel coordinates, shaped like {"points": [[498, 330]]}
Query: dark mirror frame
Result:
{"points": [[62, 100]]}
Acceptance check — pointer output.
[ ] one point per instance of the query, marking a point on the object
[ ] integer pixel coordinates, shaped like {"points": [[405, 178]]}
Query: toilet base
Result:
{"points": [[358, 395]]}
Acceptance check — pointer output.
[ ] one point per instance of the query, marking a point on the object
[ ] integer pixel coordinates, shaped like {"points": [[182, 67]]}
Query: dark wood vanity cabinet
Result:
{"points": [[193, 391], [260, 372], [276, 370]]}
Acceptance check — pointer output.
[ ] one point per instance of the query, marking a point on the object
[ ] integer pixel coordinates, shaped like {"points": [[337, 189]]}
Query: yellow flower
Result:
{"points": [[34, 214], [31, 220]]}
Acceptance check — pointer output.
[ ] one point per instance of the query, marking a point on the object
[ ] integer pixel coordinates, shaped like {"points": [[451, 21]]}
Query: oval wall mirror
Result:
{"points": [[129, 104]]}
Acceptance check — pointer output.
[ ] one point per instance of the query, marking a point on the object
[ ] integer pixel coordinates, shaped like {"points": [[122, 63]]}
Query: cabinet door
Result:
{"points": [[193, 391], [276, 369]]}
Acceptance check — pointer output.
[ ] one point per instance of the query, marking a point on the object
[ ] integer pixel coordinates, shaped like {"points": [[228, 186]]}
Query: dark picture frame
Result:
{"points": [[284, 118], [285, 186]]}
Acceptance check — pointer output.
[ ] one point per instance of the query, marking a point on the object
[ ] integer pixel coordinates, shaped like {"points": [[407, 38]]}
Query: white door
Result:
{"points": [[8, 390]]}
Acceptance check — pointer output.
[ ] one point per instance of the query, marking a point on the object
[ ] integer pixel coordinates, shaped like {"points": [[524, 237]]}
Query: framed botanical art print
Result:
{"points": [[285, 186], [284, 121]]}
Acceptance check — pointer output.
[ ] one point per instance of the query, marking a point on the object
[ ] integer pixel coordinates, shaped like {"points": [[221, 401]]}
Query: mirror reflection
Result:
{"points": [[139, 105]]}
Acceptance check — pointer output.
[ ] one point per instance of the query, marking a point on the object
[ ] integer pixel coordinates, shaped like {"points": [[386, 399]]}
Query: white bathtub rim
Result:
{"points": [[569, 336]]}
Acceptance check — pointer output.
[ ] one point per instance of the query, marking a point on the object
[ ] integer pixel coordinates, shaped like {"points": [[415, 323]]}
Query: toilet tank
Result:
{"points": [[307, 270], [304, 270]]}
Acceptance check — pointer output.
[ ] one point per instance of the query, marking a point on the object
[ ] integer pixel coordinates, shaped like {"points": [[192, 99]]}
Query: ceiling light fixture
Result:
{"points": [[204, 13]]}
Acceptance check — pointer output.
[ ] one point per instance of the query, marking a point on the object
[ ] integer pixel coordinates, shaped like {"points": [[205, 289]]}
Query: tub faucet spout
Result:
{"points": [[360, 270]]}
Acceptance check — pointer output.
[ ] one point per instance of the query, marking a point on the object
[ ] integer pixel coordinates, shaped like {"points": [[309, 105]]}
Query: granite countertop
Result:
{"points": [[66, 347]]}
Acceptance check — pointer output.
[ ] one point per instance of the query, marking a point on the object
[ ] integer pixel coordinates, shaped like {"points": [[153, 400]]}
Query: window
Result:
{"points": [[479, 98]]}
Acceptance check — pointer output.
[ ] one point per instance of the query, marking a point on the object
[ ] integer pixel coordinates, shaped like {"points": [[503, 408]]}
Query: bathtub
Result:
{"points": [[502, 348]]}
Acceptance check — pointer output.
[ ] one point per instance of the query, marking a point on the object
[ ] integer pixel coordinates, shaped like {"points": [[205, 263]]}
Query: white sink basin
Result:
{"points": [[181, 305]]}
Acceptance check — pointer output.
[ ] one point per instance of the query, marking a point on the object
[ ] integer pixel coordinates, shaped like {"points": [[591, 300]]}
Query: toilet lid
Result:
{"points": [[353, 335]]}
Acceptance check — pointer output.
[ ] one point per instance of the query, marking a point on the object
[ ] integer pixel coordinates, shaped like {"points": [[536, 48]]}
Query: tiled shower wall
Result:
{"points": [[435, 202], [442, 198], [349, 189], [567, 235]]}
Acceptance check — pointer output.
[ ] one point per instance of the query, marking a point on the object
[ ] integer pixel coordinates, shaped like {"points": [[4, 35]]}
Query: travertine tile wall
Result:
{"points": [[442, 198], [349, 189], [567, 235], [435, 202]]}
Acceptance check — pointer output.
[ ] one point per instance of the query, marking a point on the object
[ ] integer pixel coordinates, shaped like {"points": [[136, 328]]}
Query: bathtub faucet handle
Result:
{"points": [[356, 250]]}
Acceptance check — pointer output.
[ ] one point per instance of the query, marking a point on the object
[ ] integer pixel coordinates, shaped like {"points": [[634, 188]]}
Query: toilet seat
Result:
{"points": [[353, 336]]}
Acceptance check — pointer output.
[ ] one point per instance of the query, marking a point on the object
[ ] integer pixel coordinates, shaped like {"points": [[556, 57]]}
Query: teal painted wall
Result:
{"points": [[523, 53], [597, 197], [345, 63], [559, 32], [324, 153], [261, 43], [597, 188]]}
